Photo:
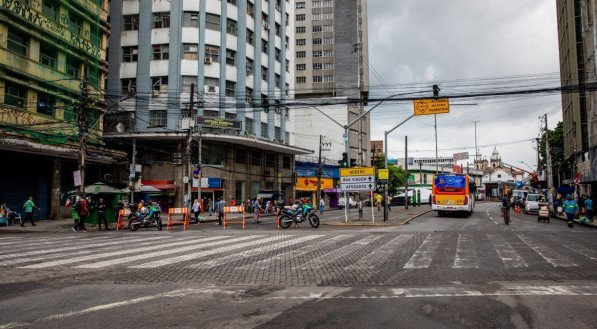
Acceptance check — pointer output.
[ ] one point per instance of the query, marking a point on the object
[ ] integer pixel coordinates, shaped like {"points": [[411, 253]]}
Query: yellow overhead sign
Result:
{"points": [[431, 106], [357, 171], [383, 173]]}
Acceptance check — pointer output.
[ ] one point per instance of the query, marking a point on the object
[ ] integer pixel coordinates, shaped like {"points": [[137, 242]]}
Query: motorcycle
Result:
{"points": [[301, 214], [146, 218]]}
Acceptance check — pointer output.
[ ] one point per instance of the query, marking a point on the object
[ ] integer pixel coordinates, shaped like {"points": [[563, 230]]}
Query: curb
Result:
{"points": [[576, 221], [381, 223], [416, 216]]}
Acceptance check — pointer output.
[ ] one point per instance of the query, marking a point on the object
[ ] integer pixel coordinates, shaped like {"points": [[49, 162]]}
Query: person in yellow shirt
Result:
{"points": [[140, 205], [378, 199]]}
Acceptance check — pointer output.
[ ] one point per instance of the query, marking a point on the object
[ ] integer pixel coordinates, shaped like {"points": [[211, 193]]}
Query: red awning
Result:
{"points": [[160, 184], [164, 186]]}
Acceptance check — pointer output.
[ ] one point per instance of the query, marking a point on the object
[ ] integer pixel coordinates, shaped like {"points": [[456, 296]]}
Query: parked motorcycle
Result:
{"points": [[146, 218], [301, 214]]}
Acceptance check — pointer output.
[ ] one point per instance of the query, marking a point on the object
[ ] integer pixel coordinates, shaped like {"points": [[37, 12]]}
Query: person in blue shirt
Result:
{"points": [[589, 208], [570, 208]]}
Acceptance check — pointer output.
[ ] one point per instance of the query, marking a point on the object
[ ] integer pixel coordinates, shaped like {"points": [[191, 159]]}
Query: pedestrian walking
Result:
{"points": [[570, 208], [29, 205], [219, 208], [589, 208], [101, 215], [256, 211], [196, 209], [321, 205], [378, 199], [119, 207], [83, 212], [210, 206]]}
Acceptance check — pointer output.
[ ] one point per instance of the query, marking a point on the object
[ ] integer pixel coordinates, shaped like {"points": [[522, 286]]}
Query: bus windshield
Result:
{"points": [[450, 183]]}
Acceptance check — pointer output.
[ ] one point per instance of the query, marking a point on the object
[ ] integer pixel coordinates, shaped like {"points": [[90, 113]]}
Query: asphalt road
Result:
{"points": [[437, 272]]}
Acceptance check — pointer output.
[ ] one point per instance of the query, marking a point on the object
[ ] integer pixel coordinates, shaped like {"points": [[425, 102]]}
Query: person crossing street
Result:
{"points": [[570, 208], [29, 205]]}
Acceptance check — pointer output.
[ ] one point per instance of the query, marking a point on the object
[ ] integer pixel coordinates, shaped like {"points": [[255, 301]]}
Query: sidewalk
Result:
{"points": [[398, 216], [576, 221], [53, 226]]}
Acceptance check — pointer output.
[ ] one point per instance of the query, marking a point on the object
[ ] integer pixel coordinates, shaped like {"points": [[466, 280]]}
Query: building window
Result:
{"points": [[190, 51], [230, 86], [250, 9], [158, 118], [301, 79], [270, 160], [301, 42], [75, 23], [316, 28], [424, 178], [264, 46], [301, 54], [328, 53], [317, 41], [278, 54], [159, 84], [240, 156], [300, 5], [317, 66], [214, 82], [264, 73], [46, 104], [287, 65], [161, 20], [300, 17], [328, 41], [301, 67], [14, 95], [129, 86], [278, 30], [328, 78], [73, 66], [230, 115], [249, 66], [317, 53], [160, 52], [300, 29], [256, 158], [286, 162], [230, 56], [264, 132], [316, 4], [212, 22], [190, 19], [317, 78], [130, 54], [211, 113], [327, 3], [131, 22], [50, 10], [250, 38], [212, 52], [93, 73], [328, 66], [328, 28], [95, 35], [249, 125], [277, 80], [17, 43], [214, 155], [239, 191], [232, 2], [231, 27], [48, 55]]}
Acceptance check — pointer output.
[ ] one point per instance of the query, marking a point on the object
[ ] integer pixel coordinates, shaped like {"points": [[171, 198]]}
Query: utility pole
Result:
{"points": [[436, 95], [319, 172], [133, 172], [188, 149], [83, 126], [406, 172], [548, 170], [476, 149]]}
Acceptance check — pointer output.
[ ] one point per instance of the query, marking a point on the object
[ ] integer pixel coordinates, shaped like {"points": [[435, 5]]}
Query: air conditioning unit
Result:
{"points": [[277, 7], [249, 71], [277, 110], [155, 93], [265, 25], [207, 60], [211, 89]]}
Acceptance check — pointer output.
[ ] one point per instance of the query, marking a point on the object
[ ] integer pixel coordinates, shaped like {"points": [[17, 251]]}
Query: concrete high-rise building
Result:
{"points": [[45, 48], [238, 55], [331, 53], [578, 68]]}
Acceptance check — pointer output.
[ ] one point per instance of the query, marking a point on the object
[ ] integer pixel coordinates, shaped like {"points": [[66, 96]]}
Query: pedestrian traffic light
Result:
{"points": [[344, 162], [353, 163]]}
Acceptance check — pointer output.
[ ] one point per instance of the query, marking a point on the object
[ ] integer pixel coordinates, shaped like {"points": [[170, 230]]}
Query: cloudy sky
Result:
{"points": [[465, 46]]}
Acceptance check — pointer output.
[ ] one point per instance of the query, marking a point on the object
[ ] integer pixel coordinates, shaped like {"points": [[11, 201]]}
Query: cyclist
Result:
{"points": [[506, 205]]}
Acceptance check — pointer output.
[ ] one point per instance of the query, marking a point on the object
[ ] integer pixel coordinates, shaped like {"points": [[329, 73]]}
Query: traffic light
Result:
{"points": [[344, 162], [436, 91], [353, 163]]}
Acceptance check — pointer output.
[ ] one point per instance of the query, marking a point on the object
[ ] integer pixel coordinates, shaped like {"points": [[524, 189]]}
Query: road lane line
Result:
{"points": [[381, 254], [330, 257], [248, 253], [296, 254], [122, 255], [466, 255], [550, 255], [424, 255], [509, 256], [580, 249], [205, 253]]}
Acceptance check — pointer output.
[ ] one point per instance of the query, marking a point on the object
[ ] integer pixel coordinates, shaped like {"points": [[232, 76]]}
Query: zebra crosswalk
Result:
{"points": [[340, 253]]}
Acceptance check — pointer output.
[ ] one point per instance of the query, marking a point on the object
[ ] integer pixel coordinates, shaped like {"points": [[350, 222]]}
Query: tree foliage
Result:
{"points": [[397, 176], [556, 150]]}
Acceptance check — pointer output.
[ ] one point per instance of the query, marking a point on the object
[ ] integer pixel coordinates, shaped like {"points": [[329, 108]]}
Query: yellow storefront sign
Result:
{"points": [[310, 183], [431, 106]]}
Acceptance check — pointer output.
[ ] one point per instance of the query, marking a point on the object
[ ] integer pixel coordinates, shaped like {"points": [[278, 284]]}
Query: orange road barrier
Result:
{"points": [[123, 213], [234, 210], [184, 212]]}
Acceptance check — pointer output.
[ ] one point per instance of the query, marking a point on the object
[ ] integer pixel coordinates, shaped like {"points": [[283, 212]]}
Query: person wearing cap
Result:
{"points": [[570, 208]]}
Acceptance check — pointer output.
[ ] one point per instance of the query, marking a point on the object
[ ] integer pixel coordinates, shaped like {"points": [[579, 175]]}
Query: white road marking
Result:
{"points": [[330, 257], [248, 253], [34, 242], [124, 255], [466, 255], [380, 254], [205, 253], [266, 263], [509, 256], [587, 252], [550, 255], [424, 255]]}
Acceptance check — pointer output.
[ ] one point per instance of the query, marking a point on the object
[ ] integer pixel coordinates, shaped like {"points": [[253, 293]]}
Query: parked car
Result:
{"points": [[532, 203], [342, 203]]}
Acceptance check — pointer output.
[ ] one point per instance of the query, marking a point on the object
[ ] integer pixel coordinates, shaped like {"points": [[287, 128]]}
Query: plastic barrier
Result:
{"points": [[234, 210], [123, 213], [177, 212]]}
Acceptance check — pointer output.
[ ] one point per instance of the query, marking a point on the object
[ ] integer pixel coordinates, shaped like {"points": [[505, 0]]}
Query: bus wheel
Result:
{"points": [[441, 213]]}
